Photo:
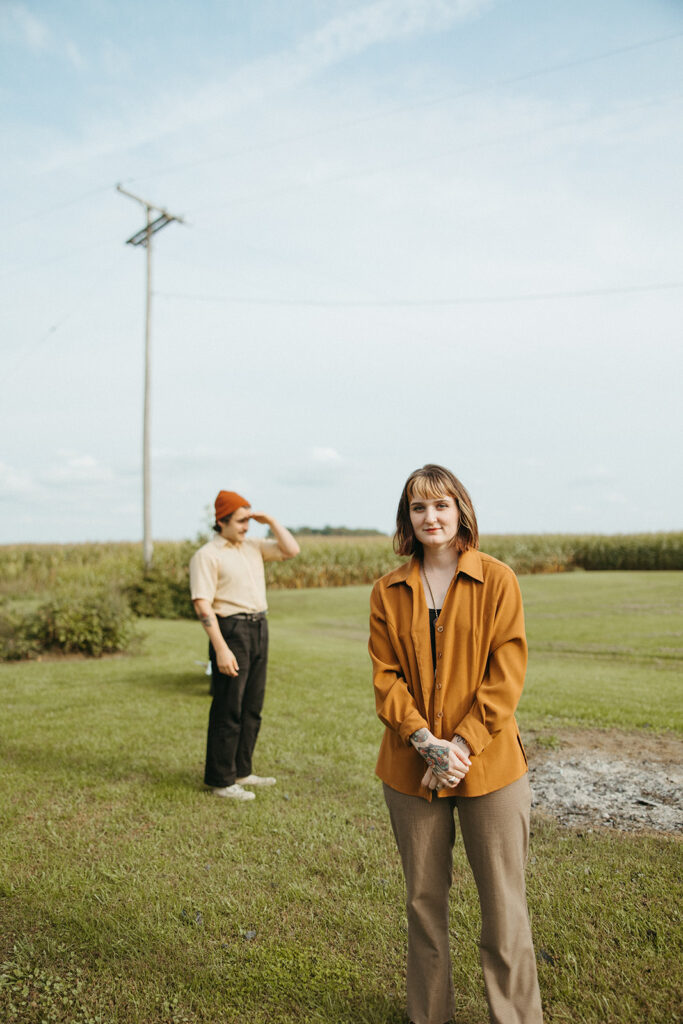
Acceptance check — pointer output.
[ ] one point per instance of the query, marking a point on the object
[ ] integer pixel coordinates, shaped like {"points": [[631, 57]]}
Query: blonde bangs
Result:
{"points": [[428, 488]]}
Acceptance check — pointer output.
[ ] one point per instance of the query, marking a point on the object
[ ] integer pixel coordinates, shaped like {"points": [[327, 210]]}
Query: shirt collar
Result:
{"points": [[222, 542], [469, 563]]}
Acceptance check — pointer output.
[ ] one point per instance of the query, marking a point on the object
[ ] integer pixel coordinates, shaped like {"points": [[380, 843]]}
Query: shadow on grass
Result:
{"points": [[88, 769], [170, 683]]}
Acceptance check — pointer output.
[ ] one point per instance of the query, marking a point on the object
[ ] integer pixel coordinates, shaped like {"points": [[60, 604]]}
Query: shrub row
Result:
{"points": [[94, 623], [30, 571]]}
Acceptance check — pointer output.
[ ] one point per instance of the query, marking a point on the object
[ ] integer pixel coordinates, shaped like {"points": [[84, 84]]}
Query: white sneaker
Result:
{"points": [[235, 792], [256, 780]]}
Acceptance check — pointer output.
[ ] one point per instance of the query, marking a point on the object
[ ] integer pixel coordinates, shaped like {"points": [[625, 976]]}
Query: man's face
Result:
{"points": [[236, 529]]}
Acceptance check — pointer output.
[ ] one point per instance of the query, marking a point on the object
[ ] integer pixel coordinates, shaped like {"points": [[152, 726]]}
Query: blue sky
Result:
{"points": [[414, 230]]}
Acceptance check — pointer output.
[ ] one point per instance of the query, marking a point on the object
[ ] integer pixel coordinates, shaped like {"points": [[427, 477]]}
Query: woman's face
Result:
{"points": [[434, 520]]}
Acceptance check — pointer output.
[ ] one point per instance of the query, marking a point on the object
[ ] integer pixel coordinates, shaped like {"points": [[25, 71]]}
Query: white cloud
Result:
{"points": [[339, 39], [196, 453], [14, 481], [74, 55], [356, 30], [325, 455], [34, 32], [594, 476], [76, 469]]}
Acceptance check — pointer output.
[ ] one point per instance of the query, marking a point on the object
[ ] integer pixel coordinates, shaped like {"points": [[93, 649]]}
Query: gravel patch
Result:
{"points": [[594, 788]]}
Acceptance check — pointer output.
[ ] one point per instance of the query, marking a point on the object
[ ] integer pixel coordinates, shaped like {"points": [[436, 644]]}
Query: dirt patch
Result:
{"points": [[626, 781]]}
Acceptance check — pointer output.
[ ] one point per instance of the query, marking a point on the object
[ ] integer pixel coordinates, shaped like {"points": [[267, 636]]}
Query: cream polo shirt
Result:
{"points": [[231, 576]]}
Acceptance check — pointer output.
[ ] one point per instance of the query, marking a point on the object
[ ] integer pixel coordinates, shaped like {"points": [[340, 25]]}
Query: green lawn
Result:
{"points": [[129, 895]]}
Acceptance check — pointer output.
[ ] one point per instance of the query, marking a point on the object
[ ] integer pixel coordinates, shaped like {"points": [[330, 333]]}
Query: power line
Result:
{"points": [[62, 258], [462, 300], [58, 206], [416, 105], [29, 349], [26, 353], [415, 161], [377, 115]]}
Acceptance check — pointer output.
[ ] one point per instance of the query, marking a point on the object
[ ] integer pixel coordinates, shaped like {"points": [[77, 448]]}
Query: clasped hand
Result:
{"points": [[447, 762]]}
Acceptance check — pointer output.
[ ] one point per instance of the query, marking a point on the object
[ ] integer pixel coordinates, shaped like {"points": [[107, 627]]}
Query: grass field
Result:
{"points": [[128, 895]]}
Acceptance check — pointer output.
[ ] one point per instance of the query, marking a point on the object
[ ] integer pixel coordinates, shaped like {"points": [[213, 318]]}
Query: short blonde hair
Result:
{"points": [[432, 481]]}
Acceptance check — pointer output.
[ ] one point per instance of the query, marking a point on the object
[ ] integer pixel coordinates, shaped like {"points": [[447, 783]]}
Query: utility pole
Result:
{"points": [[144, 238]]}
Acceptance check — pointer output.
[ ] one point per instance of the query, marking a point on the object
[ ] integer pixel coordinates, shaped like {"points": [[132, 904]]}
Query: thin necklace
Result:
{"points": [[437, 613]]}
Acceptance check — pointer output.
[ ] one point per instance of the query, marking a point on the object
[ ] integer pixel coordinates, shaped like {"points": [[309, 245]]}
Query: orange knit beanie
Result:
{"points": [[227, 502]]}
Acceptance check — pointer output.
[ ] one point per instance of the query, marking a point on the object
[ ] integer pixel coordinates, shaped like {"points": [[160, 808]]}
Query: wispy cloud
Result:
{"points": [[378, 22], [14, 482], [325, 455], [321, 466], [34, 33], [192, 454], [339, 39], [596, 476], [74, 468], [74, 55]]}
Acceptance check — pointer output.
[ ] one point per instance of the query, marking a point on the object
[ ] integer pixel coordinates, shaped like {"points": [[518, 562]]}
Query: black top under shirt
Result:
{"points": [[433, 616]]}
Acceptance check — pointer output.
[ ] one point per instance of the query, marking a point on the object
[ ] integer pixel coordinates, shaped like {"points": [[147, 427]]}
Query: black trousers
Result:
{"points": [[235, 715]]}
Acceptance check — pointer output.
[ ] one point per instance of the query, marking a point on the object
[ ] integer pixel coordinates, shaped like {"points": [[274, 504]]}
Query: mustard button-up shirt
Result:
{"points": [[481, 656]]}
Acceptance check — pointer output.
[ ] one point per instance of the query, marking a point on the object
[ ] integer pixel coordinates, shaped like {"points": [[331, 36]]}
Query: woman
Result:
{"points": [[449, 656]]}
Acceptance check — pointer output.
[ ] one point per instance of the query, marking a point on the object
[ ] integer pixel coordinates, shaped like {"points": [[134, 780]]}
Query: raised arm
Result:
{"points": [[286, 543]]}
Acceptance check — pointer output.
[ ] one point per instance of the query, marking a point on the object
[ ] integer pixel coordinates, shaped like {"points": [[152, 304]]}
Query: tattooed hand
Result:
{"points": [[435, 752], [448, 763]]}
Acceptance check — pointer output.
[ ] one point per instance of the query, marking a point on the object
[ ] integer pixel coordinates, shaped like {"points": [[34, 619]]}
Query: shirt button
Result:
{"points": [[438, 686], [439, 655], [439, 629], [439, 714]]}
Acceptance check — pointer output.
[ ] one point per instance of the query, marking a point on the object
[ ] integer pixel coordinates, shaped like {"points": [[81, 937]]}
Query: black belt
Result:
{"points": [[245, 616]]}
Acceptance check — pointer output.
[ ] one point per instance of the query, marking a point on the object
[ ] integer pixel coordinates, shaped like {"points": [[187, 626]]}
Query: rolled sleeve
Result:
{"points": [[203, 576], [270, 550]]}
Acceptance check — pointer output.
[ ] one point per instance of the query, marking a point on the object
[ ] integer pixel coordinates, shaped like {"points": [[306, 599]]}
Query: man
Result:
{"points": [[228, 587]]}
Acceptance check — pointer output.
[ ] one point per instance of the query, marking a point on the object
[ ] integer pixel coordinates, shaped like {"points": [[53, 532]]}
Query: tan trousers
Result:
{"points": [[495, 830]]}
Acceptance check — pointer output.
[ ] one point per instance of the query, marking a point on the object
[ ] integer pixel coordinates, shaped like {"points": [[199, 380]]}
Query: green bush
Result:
{"points": [[92, 622], [163, 592], [19, 636], [156, 595]]}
